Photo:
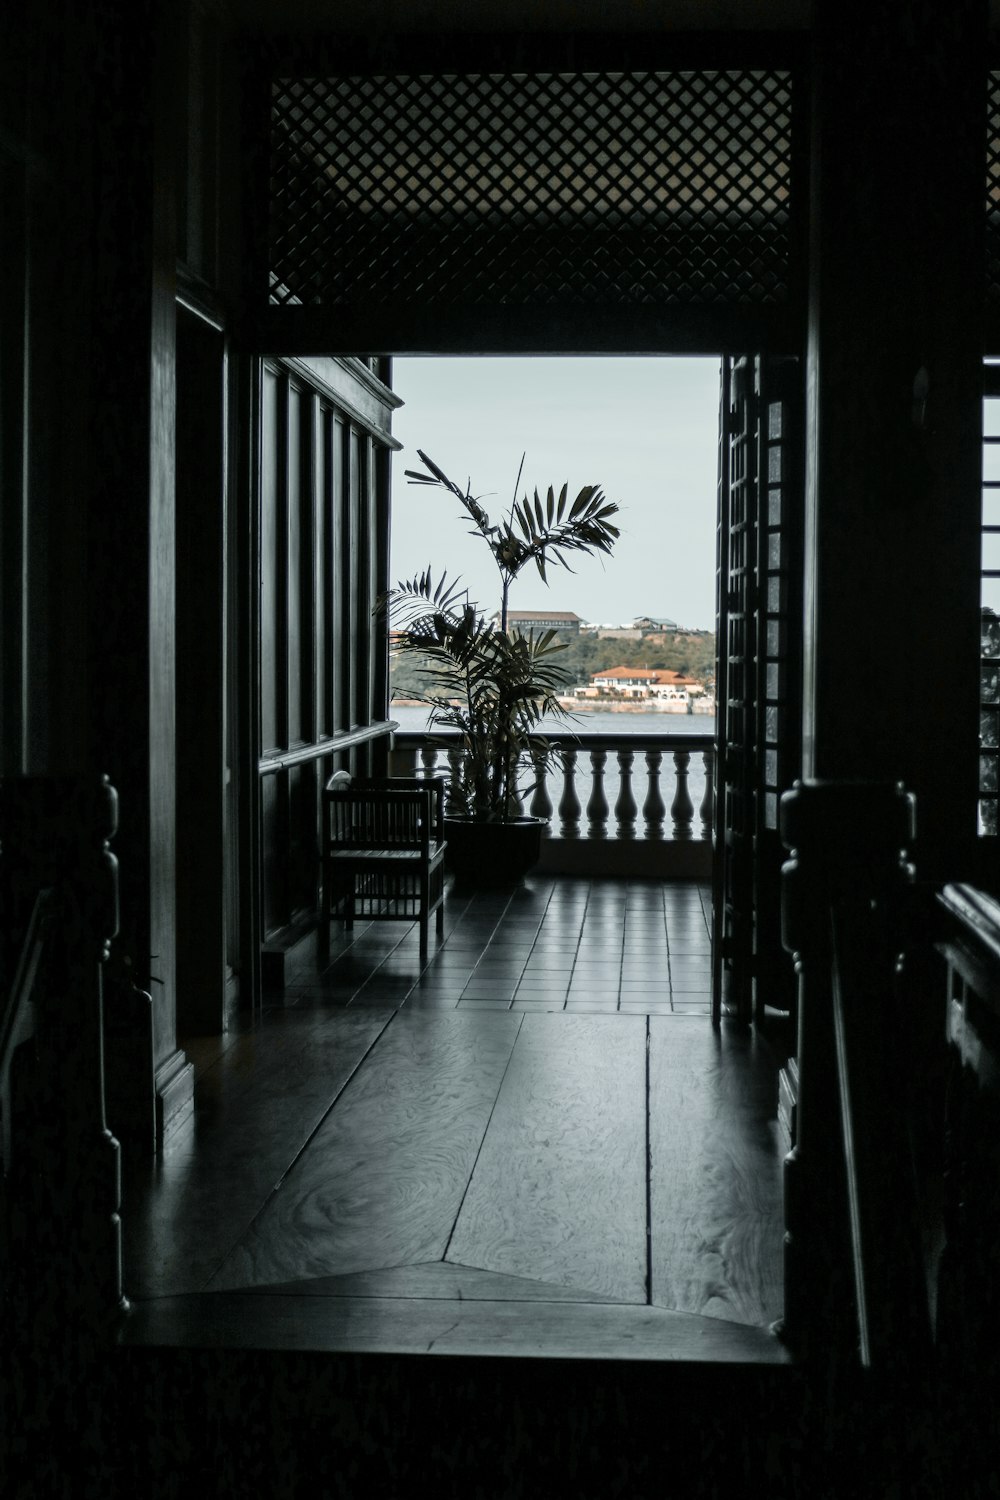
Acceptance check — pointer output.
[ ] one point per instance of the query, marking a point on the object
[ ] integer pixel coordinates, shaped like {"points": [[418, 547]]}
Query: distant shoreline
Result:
{"points": [[600, 705]]}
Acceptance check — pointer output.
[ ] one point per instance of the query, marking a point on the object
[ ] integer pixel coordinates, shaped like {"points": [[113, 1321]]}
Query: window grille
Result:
{"points": [[993, 189], [989, 598], [590, 189]]}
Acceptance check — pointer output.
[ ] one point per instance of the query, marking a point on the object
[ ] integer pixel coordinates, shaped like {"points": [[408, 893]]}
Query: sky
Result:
{"points": [[646, 430]]}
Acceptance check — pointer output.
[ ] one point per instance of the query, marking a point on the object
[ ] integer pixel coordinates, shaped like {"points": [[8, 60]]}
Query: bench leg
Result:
{"points": [[323, 930]]}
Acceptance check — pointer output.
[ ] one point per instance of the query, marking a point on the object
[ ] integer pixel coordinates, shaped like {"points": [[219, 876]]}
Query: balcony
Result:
{"points": [[637, 805]]}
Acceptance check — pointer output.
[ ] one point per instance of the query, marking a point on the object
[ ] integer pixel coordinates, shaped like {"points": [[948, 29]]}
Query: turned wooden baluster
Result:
{"points": [[625, 806], [569, 802], [654, 809], [597, 804], [707, 809], [541, 802], [428, 759], [682, 808]]}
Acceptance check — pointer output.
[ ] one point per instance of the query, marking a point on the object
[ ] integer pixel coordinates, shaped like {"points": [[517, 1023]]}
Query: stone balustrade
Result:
{"points": [[620, 803]]}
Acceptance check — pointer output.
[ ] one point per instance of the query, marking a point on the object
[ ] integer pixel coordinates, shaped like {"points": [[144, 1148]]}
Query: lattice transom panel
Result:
{"points": [[993, 189], [532, 189]]}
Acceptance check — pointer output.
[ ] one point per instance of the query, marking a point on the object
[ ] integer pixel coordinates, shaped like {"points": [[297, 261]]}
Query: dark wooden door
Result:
{"points": [[759, 680]]}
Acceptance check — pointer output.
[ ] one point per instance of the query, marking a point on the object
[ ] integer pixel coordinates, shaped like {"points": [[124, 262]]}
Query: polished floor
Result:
{"points": [[553, 943], [533, 1143]]}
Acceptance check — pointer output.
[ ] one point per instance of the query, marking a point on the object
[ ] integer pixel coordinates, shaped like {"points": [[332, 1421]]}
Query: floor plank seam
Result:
{"points": [[334, 1102], [269, 1197], [479, 1150]]}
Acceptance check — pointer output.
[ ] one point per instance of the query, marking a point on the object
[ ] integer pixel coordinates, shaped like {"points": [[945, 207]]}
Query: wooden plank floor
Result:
{"points": [[257, 1106], [715, 1173], [476, 1177], [559, 1190], [383, 1179]]}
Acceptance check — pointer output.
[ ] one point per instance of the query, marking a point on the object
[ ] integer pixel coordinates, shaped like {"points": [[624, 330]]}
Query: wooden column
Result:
{"points": [[893, 405], [848, 843]]}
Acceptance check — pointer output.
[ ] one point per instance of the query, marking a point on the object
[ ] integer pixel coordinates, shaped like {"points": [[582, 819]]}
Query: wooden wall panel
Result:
{"points": [[293, 571], [342, 579], [270, 549], [323, 556], [351, 583], [272, 882], [317, 563]]}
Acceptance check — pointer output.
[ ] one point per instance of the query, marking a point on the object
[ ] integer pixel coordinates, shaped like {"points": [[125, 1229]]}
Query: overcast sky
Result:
{"points": [[646, 430]]}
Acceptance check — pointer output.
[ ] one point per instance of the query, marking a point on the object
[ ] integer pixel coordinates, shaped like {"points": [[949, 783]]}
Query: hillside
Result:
{"points": [[692, 654]]}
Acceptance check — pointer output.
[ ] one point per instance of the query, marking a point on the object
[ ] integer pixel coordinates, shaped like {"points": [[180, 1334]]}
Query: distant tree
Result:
{"points": [[693, 655]]}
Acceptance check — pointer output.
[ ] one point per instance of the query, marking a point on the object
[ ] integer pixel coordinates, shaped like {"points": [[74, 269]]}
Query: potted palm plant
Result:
{"points": [[491, 684]]}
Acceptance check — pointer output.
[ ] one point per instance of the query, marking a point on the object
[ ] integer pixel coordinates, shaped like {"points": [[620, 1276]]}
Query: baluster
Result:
{"points": [[682, 808], [428, 759], [456, 761], [654, 809], [597, 805], [707, 810], [625, 806], [569, 802], [541, 802]]}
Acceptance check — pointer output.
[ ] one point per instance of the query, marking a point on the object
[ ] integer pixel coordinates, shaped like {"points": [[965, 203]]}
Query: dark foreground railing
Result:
{"points": [[856, 1295]]}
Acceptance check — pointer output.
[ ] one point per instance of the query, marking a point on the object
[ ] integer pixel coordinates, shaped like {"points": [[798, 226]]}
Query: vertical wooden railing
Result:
{"points": [[855, 1290]]}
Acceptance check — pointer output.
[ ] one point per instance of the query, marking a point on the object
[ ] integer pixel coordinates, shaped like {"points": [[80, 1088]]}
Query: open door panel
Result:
{"points": [[758, 689]]}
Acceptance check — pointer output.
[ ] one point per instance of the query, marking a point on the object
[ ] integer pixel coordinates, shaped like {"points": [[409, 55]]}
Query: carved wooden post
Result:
{"points": [[682, 808], [428, 758], [845, 840], [64, 1174], [597, 803], [706, 811], [625, 806], [654, 809], [569, 802]]}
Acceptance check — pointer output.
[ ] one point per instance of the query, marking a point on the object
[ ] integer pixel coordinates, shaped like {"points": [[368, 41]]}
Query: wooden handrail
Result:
{"points": [[335, 744], [976, 951]]}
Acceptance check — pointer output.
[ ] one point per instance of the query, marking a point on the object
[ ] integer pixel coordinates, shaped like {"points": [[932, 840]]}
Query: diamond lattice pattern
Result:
{"points": [[993, 190], [652, 188]]}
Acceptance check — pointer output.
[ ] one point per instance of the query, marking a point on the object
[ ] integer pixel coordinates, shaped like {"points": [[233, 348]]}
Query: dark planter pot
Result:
{"points": [[492, 854]]}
